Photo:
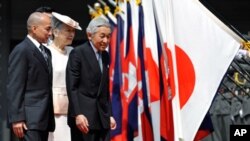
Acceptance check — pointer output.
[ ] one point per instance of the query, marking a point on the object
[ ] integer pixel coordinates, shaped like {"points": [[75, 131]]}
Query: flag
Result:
{"points": [[201, 49], [145, 117], [109, 15], [112, 50], [205, 128], [166, 112], [130, 83], [166, 82], [154, 78], [116, 83]]}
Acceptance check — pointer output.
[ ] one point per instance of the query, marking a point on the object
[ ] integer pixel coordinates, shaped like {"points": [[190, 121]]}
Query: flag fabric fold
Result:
{"points": [[116, 91], [202, 51], [166, 65]]}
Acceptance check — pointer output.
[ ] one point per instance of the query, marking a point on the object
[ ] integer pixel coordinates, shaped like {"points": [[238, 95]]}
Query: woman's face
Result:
{"points": [[65, 34]]}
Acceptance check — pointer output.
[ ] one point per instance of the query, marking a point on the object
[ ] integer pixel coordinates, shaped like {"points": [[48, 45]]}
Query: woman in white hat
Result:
{"points": [[63, 32]]}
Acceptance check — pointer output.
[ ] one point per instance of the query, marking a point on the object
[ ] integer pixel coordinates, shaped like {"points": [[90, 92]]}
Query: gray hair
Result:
{"points": [[96, 23], [55, 23]]}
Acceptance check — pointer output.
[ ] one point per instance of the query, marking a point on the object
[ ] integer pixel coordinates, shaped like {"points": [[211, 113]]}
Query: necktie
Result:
{"points": [[100, 60], [44, 53]]}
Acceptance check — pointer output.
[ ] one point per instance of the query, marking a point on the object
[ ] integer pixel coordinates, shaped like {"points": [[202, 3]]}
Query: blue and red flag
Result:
{"points": [[130, 85], [143, 87], [116, 72]]}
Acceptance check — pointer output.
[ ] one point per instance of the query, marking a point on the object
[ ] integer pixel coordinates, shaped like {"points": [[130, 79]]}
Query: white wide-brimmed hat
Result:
{"points": [[67, 20]]}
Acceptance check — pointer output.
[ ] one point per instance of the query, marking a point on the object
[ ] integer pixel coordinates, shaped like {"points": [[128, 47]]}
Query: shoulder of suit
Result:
{"points": [[82, 46], [21, 49], [22, 46]]}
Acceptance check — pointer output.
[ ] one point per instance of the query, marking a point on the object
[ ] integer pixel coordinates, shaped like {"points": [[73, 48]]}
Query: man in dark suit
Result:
{"points": [[87, 80], [29, 88]]}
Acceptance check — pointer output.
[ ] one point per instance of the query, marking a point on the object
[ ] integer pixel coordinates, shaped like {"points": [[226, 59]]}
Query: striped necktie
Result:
{"points": [[45, 55], [100, 60]]}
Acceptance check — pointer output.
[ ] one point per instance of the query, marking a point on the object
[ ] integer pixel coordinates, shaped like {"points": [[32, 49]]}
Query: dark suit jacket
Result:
{"points": [[87, 87], [29, 88]]}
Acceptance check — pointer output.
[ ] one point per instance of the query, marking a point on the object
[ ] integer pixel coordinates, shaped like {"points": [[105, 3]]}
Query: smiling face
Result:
{"points": [[100, 38], [65, 34]]}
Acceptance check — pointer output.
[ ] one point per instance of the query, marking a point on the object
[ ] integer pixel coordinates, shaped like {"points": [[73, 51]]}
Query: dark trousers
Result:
{"points": [[35, 135], [92, 135]]}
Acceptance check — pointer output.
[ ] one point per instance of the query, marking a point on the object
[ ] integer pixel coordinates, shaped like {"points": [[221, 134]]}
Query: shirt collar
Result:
{"points": [[95, 50], [37, 44]]}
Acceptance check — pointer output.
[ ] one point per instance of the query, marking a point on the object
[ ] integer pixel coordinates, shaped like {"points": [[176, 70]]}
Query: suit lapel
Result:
{"points": [[37, 54], [91, 58]]}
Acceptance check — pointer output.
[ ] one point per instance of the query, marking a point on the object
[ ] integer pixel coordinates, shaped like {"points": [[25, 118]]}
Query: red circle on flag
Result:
{"points": [[186, 75]]}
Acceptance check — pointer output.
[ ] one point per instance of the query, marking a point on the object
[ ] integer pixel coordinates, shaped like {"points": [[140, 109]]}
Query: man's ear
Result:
{"points": [[33, 27], [89, 35]]}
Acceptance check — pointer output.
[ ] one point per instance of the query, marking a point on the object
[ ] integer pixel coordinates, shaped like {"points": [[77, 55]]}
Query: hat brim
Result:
{"points": [[67, 20]]}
